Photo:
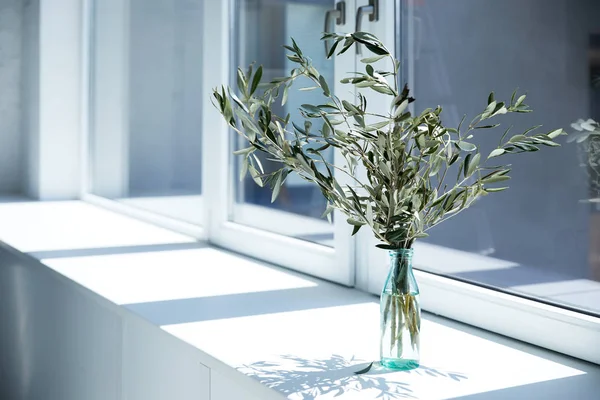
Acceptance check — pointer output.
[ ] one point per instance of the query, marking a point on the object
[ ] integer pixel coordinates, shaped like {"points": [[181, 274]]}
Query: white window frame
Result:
{"points": [[86, 194], [248, 235], [355, 261]]}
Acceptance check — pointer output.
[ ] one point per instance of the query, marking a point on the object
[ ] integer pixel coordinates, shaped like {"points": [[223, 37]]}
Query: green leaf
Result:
{"points": [[465, 164], [350, 107], [365, 84], [453, 158], [307, 126], [241, 81], [369, 213], [517, 138], [465, 146], [439, 200], [290, 48], [512, 97], [284, 97], [386, 246], [495, 179], [311, 109], [377, 125], [355, 229], [520, 100], [347, 44], [383, 89], [257, 160], [376, 49], [400, 108], [301, 130], [364, 370], [471, 163], [355, 222], [277, 186], [491, 97], [488, 110], [306, 89], [556, 133], [493, 190], [296, 48], [487, 126], [369, 69], [496, 153], [238, 101], [254, 174], [244, 151], [324, 86], [359, 120], [256, 80], [328, 211], [332, 50], [373, 59]]}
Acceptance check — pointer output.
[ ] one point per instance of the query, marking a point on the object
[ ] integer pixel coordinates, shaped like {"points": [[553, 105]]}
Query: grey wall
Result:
{"points": [[11, 110], [468, 48], [30, 45]]}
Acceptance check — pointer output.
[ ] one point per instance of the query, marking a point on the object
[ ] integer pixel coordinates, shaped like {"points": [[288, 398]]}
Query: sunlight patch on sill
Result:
{"points": [[318, 350], [171, 275], [67, 225]]}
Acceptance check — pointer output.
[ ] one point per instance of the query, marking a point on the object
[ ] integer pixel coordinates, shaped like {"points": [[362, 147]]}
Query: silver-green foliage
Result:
{"points": [[405, 157]]}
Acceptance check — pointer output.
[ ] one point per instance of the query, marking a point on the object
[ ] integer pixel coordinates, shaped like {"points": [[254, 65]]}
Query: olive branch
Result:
{"points": [[406, 158]]}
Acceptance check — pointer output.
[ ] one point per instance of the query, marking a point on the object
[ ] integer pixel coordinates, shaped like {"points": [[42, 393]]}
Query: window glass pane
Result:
{"points": [[262, 28], [542, 236], [145, 111]]}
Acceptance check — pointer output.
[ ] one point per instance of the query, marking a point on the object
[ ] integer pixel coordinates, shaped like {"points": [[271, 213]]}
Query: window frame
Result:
{"points": [[331, 263], [552, 327], [86, 120]]}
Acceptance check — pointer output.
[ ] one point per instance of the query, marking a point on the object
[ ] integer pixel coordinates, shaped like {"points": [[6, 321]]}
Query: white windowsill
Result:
{"points": [[301, 336]]}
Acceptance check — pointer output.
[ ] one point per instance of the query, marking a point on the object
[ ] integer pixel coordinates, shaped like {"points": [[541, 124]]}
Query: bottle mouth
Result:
{"points": [[401, 252]]}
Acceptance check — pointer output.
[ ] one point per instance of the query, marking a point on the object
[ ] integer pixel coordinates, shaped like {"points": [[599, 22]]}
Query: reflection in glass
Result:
{"points": [[545, 227], [262, 28], [145, 99]]}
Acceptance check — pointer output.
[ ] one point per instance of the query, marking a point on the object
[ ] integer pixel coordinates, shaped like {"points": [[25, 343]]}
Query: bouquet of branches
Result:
{"points": [[406, 157]]}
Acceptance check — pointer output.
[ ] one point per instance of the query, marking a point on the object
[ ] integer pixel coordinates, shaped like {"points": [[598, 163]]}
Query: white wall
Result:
{"points": [[52, 42], [60, 99], [108, 90]]}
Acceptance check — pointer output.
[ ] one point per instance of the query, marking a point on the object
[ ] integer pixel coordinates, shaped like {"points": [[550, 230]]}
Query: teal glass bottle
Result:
{"points": [[400, 314]]}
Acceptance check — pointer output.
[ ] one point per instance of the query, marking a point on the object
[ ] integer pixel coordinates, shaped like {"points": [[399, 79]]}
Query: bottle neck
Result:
{"points": [[400, 269], [401, 258]]}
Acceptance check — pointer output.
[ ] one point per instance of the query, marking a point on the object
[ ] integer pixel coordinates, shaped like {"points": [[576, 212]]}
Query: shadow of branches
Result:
{"points": [[308, 379]]}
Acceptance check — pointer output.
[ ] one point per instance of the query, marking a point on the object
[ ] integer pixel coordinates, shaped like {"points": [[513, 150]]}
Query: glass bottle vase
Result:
{"points": [[400, 314]]}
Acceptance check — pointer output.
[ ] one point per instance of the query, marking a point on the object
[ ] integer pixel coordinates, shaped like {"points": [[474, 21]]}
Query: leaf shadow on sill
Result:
{"points": [[307, 379]]}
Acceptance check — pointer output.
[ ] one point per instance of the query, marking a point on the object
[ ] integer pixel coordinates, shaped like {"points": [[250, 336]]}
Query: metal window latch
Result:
{"points": [[339, 13], [372, 10]]}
